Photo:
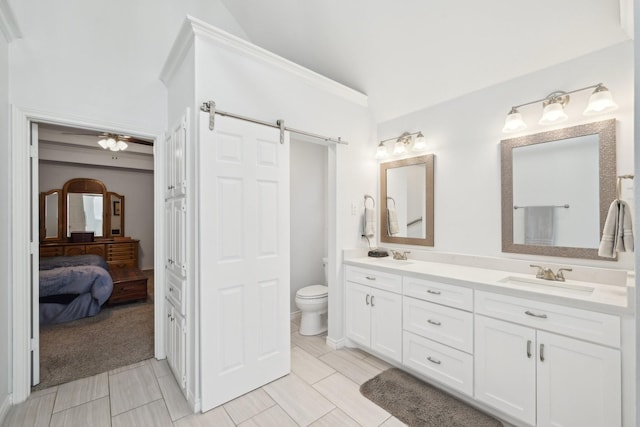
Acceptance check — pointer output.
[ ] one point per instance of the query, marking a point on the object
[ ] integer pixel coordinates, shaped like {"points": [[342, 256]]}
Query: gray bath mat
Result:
{"points": [[417, 403]]}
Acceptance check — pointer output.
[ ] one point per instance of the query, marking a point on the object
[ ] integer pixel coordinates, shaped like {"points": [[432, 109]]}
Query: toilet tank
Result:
{"points": [[325, 262]]}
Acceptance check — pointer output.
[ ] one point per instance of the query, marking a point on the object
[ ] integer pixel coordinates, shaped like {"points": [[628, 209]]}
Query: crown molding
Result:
{"points": [[8, 23], [193, 27]]}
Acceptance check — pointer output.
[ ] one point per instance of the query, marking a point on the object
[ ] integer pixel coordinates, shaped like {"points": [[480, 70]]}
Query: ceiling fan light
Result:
{"points": [[103, 143], [600, 101], [420, 144], [121, 145], [553, 113], [514, 122]]}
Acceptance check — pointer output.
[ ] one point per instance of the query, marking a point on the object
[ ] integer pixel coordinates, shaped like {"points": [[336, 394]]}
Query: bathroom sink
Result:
{"points": [[545, 284]]}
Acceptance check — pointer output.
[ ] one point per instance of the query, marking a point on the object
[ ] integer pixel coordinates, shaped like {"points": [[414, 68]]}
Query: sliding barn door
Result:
{"points": [[244, 257]]}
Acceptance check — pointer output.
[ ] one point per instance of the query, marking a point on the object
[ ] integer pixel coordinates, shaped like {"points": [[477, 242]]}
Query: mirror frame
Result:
{"points": [[43, 210], [607, 174], [84, 185], [110, 215], [428, 160]]}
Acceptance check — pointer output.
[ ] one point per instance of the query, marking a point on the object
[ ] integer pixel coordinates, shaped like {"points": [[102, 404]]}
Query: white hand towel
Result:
{"points": [[617, 235], [369, 222], [392, 221]]}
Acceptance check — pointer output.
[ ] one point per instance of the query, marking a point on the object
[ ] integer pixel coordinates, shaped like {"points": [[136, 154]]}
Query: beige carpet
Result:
{"points": [[417, 403], [115, 337]]}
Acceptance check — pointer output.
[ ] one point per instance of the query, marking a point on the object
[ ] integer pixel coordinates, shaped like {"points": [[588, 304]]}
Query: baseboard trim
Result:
{"points": [[4, 407], [335, 344]]}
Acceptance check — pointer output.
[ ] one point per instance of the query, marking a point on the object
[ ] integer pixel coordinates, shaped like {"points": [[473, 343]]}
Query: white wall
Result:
{"points": [[5, 233], [465, 134], [308, 166], [135, 185]]}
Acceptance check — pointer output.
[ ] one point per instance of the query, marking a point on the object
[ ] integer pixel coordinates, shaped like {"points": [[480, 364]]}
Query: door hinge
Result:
{"points": [[33, 344], [33, 151], [184, 382], [34, 247]]}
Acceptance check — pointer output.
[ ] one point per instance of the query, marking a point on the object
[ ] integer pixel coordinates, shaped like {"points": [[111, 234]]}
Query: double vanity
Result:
{"points": [[532, 351]]}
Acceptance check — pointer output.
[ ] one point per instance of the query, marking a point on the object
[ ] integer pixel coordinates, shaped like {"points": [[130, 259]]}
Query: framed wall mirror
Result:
{"points": [[406, 201], [51, 215], [556, 190], [116, 214]]}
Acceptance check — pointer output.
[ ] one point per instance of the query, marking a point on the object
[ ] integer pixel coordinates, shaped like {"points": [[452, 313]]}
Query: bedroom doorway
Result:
{"points": [[25, 199]]}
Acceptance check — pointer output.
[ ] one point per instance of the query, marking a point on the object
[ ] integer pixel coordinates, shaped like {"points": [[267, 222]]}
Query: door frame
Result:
{"points": [[21, 223]]}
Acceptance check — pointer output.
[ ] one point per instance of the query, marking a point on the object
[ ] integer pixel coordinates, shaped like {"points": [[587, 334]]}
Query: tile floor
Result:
{"points": [[322, 390]]}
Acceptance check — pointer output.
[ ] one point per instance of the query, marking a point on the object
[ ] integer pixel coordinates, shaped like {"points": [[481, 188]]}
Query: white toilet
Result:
{"points": [[313, 302]]}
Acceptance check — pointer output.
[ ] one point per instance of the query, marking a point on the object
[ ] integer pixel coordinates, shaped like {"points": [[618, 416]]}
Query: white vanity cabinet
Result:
{"points": [[175, 335], [374, 311], [527, 368]]}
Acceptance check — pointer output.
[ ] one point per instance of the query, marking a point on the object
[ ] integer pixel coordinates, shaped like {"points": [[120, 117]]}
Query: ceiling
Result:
{"points": [[411, 54]]}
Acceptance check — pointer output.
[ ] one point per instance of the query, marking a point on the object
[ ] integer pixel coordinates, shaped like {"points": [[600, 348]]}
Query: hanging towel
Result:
{"points": [[369, 226], [617, 235], [538, 225], [392, 221]]}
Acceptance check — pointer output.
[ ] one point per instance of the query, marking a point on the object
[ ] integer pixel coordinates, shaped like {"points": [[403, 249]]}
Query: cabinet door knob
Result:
{"points": [[532, 314], [432, 360], [542, 352], [433, 292], [529, 349], [434, 322], [367, 299]]}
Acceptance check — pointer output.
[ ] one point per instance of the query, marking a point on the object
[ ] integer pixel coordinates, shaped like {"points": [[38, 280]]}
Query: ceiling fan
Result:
{"points": [[113, 141]]}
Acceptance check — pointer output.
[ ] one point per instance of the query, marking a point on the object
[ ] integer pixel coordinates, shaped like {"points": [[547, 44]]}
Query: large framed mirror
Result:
{"points": [[51, 215], [85, 207], [556, 190], [406, 199]]}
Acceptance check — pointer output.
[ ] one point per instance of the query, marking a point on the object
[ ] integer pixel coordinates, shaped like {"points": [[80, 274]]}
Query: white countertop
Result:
{"points": [[614, 299]]}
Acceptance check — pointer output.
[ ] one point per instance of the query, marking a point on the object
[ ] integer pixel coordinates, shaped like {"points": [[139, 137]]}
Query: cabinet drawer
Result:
{"points": [[121, 251], [376, 279], [588, 325], [95, 250], [445, 325], [73, 250], [444, 364], [128, 291], [174, 291], [49, 251], [441, 293]]}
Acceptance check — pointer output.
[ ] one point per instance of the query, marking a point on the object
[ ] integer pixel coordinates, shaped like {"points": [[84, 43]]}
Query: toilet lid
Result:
{"points": [[312, 291]]}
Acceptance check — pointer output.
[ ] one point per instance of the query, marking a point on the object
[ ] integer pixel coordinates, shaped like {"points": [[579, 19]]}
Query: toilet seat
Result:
{"points": [[312, 292]]}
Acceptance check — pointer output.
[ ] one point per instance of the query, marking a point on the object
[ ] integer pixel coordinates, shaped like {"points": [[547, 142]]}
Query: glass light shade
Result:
{"points": [[382, 152], [122, 145], [399, 148], [553, 113], [514, 122], [103, 143], [600, 101], [420, 144]]}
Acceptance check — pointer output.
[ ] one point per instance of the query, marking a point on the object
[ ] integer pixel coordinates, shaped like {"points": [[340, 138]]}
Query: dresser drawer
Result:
{"points": [[174, 291], [73, 250], [587, 325], [444, 364], [49, 251], [441, 293], [376, 279], [122, 251], [445, 325]]}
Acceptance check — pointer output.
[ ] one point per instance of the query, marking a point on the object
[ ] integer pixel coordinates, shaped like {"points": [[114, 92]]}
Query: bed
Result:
{"points": [[73, 287]]}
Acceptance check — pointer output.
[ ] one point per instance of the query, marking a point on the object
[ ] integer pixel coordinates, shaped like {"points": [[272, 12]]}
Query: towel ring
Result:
{"points": [[366, 196], [394, 202]]}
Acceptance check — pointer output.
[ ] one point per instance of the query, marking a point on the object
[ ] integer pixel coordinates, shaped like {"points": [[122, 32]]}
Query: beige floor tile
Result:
{"points": [[133, 388], [34, 412], [94, 413], [393, 422], [248, 405], [152, 414], [314, 345], [160, 367], [378, 363], [337, 417], [308, 367], [272, 417], [126, 368], [355, 352], [217, 417], [350, 366], [81, 391], [40, 393], [345, 394], [176, 403], [298, 399]]}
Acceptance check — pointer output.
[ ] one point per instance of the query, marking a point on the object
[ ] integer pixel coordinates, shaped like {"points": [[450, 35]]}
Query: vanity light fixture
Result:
{"points": [[415, 141], [112, 142], [553, 105]]}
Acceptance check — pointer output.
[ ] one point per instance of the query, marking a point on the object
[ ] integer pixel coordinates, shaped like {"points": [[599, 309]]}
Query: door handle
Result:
{"points": [[434, 322], [367, 299], [529, 349], [542, 352], [532, 314]]}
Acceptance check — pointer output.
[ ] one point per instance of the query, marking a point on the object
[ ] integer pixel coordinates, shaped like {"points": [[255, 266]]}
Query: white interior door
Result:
{"points": [[35, 256], [244, 257]]}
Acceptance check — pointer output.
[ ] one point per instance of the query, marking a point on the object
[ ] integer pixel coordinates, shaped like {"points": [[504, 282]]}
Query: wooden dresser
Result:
{"points": [[121, 254]]}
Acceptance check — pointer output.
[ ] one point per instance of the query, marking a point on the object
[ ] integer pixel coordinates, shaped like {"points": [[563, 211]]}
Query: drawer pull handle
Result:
{"points": [[529, 349], [542, 352], [433, 292], [532, 314], [367, 299], [370, 278], [434, 322], [372, 305], [170, 288], [432, 360]]}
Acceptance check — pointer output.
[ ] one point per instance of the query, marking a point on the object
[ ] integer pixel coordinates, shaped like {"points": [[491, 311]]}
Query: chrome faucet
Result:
{"points": [[548, 274], [400, 256]]}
